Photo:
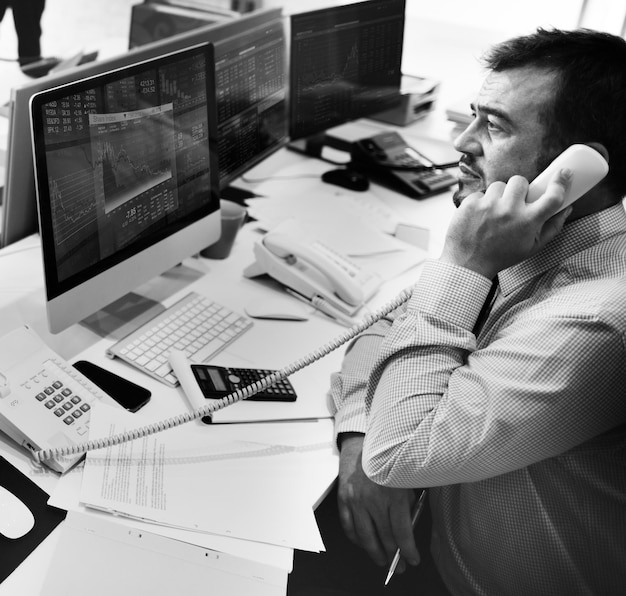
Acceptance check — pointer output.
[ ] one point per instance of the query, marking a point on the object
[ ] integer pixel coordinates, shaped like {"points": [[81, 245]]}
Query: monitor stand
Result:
{"points": [[129, 312], [314, 146], [237, 194], [123, 316]]}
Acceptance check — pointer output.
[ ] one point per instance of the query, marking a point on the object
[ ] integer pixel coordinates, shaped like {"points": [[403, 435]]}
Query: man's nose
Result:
{"points": [[467, 141]]}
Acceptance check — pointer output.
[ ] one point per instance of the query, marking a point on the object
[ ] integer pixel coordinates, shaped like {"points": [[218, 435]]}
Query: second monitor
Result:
{"points": [[254, 125], [345, 64]]}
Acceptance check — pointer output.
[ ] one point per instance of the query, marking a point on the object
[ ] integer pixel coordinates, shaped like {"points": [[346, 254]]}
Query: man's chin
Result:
{"points": [[465, 190], [459, 195]]}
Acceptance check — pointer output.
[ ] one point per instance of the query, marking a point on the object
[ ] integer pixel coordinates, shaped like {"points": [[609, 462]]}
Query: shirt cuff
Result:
{"points": [[450, 292], [351, 419]]}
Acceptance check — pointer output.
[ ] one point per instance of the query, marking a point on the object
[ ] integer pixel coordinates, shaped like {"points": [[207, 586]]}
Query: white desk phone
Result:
{"points": [[34, 419], [314, 270]]}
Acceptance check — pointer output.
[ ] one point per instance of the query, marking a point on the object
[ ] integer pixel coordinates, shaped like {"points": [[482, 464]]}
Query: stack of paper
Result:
{"points": [[197, 478], [345, 206]]}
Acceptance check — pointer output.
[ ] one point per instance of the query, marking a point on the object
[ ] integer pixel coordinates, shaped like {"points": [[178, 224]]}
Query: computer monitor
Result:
{"points": [[19, 204], [251, 85], [345, 64], [127, 180]]}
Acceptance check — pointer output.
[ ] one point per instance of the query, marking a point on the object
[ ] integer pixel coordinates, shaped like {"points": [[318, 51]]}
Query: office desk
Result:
{"points": [[22, 301]]}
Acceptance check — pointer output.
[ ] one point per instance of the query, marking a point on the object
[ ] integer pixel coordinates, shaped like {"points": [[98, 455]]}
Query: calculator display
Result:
{"points": [[216, 379]]}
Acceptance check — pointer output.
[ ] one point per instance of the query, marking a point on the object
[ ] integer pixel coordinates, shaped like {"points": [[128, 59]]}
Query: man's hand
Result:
{"points": [[498, 229], [374, 517]]}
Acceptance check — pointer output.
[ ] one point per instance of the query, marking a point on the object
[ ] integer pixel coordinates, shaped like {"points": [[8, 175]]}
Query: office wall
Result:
{"points": [[72, 25], [499, 18]]}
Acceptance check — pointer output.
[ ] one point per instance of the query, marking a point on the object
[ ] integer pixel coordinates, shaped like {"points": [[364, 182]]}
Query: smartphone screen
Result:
{"points": [[129, 395]]}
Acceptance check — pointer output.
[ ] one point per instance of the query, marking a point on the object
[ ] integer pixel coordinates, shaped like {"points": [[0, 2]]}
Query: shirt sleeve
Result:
{"points": [[442, 412], [348, 386]]}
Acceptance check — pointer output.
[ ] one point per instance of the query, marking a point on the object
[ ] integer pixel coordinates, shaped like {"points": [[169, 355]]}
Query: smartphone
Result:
{"points": [[219, 381], [129, 395]]}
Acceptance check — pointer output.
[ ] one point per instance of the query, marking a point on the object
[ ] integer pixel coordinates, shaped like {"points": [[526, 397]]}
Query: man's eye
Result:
{"points": [[493, 126]]}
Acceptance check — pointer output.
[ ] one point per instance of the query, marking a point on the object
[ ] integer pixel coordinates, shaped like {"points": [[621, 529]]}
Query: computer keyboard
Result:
{"points": [[195, 325]]}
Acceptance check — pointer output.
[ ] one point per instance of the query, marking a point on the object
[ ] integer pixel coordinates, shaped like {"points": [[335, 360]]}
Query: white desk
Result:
{"points": [[22, 301]]}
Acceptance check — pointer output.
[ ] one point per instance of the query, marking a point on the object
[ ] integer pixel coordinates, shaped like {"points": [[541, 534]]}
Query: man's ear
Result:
{"points": [[600, 148]]}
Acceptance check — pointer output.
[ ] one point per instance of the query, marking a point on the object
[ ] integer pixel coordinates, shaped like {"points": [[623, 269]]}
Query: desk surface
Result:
{"points": [[22, 301]]}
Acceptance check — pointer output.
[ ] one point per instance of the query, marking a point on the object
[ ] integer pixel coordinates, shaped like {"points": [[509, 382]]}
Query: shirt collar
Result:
{"points": [[575, 237]]}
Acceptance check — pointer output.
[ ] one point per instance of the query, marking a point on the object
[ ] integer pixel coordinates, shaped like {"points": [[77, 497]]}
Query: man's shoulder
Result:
{"points": [[596, 293]]}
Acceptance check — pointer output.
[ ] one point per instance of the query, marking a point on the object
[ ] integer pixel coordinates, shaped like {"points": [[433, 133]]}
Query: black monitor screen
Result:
{"points": [[123, 159], [345, 64], [250, 79]]}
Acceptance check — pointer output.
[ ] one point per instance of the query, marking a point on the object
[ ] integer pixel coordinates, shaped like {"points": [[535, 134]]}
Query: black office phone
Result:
{"points": [[390, 161]]}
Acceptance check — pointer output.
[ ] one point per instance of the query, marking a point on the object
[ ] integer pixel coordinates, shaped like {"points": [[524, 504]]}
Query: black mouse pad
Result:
{"points": [[13, 552]]}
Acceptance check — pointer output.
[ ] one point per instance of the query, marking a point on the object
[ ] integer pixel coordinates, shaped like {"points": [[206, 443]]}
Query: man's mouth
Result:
{"points": [[467, 173]]}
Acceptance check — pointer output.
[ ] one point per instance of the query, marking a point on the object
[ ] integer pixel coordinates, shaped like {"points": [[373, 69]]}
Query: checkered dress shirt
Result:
{"points": [[520, 431]]}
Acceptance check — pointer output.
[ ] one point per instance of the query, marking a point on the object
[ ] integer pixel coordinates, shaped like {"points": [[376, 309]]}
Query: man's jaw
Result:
{"points": [[470, 180]]}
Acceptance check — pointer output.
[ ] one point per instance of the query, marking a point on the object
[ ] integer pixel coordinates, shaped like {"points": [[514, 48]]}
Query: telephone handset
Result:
{"points": [[388, 159], [588, 168], [314, 270]]}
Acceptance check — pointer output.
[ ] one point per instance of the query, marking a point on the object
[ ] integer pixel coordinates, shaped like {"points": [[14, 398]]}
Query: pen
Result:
{"points": [[419, 506], [319, 303]]}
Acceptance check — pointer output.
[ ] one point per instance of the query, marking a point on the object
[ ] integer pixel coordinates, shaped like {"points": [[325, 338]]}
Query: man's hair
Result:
{"points": [[590, 89]]}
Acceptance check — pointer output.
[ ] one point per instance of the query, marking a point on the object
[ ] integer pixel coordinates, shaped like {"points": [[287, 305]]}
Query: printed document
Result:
{"points": [[187, 477]]}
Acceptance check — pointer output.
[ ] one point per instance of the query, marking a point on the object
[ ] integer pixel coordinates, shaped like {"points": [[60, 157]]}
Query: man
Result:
{"points": [[517, 428], [27, 16]]}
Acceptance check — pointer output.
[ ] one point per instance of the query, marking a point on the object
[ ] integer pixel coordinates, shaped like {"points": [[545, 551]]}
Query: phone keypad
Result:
{"points": [[407, 161], [434, 180], [63, 396]]}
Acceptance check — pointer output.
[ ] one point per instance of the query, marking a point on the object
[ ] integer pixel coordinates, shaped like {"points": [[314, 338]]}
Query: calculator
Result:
{"points": [[218, 381]]}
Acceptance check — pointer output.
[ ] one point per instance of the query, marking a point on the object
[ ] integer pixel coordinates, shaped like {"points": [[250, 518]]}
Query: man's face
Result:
{"points": [[506, 136]]}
